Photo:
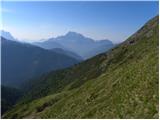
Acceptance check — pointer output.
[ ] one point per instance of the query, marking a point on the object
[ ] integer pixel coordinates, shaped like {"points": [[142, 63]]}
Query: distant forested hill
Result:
{"points": [[21, 62], [121, 83]]}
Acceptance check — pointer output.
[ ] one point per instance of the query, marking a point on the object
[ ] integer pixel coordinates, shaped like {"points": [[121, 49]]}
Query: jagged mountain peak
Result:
{"points": [[116, 84], [7, 35], [78, 43], [74, 34]]}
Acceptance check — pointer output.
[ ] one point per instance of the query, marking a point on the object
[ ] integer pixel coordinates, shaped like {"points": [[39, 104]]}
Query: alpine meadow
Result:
{"points": [[78, 76]]}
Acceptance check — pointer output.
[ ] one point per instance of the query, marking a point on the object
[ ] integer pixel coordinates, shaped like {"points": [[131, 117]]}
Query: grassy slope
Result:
{"points": [[122, 83]]}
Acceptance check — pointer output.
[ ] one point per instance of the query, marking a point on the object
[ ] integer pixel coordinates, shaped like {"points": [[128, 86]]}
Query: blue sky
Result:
{"points": [[99, 20]]}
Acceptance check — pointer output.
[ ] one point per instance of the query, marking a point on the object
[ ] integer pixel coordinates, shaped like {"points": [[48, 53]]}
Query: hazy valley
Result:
{"points": [[73, 76]]}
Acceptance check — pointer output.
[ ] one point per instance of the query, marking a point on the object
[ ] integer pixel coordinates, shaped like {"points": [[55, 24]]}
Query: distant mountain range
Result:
{"points": [[121, 83], [77, 43], [22, 61]]}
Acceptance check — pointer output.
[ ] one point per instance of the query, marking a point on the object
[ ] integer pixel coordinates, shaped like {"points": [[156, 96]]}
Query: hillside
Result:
{"points": [[122, 83], [9, 97], [21, 61]]}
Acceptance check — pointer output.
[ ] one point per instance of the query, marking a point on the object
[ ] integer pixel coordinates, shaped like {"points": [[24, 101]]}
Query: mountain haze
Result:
{"points": [[77, 43], [121, 83], [68, 53], [21, 62], [7, 35]]}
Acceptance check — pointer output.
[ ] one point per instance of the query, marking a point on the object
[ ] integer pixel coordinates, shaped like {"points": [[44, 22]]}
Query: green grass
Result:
{"points": [[122, 83]]}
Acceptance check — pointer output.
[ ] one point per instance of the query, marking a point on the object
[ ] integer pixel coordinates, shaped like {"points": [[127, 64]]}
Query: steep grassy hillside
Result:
{"points": [[122, 83]]}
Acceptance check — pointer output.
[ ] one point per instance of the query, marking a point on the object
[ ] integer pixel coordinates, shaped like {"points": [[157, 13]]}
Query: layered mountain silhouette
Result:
{"points": [[21, 61], [121, 83], [67, 52], [77, 43], [7, 35]]}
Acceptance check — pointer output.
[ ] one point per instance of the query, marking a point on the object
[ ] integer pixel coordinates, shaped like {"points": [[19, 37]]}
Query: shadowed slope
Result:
{"points": [[122, 83]]}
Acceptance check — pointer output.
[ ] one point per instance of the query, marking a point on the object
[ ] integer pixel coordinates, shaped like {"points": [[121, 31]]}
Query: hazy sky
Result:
{"points": [[99, 20]]}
